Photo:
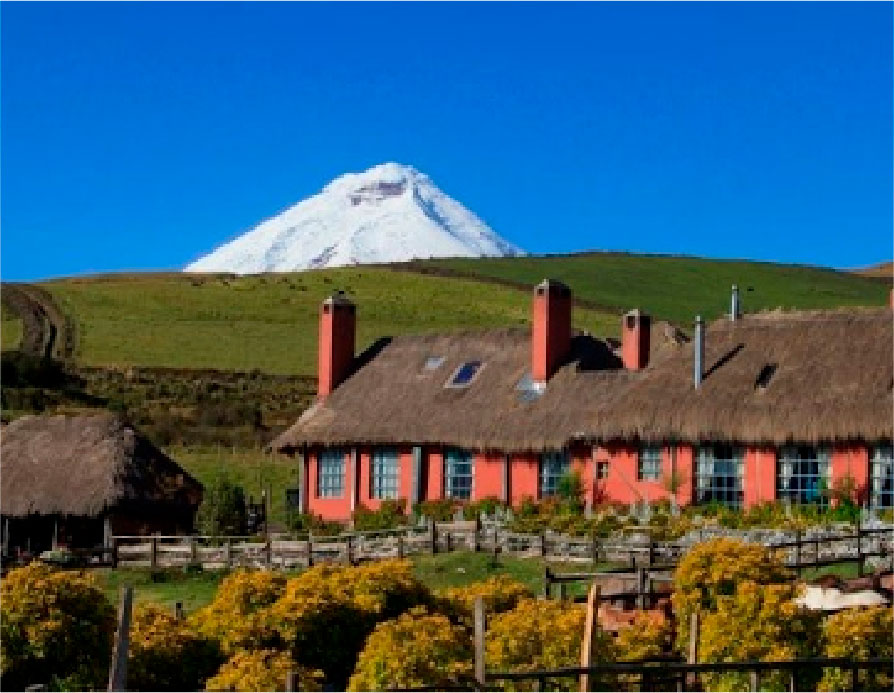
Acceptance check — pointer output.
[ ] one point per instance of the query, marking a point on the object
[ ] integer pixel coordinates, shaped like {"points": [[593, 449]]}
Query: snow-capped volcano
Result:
{"points": [[389, 213]]}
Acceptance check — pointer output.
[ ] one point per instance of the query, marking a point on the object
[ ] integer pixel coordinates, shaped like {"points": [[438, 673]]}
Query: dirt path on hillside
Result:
{"points": [[47, 332]]}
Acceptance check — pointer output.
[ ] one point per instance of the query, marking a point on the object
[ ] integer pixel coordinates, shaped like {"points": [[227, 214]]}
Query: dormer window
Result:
{"points": [[465, 375]]}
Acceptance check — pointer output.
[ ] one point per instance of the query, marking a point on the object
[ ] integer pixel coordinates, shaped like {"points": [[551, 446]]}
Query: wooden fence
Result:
{"points": [[631, 555]]}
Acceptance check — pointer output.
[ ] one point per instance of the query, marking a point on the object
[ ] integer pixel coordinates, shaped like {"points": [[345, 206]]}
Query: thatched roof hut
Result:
{"points": [[769, 378], [84, 465]]}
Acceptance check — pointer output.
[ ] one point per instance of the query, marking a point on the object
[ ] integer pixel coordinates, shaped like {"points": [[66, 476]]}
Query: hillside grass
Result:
{"points": [[252, 469], [10, 330], [269, 322], [679, 288]]}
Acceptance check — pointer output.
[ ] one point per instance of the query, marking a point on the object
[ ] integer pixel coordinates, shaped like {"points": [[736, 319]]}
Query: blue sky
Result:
{"points": [[139, 136]]}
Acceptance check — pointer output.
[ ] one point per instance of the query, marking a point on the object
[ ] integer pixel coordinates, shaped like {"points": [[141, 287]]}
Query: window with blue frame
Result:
{"points": [[553, 466], [331, 473], [718, 475], [881, 477], [383, 480], [458, 472], [648, 466], [802, 475]]}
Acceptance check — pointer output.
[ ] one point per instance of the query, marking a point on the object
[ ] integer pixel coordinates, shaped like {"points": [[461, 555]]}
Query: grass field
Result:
{"points": [[251, 469], [270, 322], [678, 288], [195, 590], [10, 329]]}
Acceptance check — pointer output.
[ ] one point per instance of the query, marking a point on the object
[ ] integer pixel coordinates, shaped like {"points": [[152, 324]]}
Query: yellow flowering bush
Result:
{"points": [[326, 612], [645, 637], [261, 670], [499, 592], [239, 614], [758, 622], [416, 649], [57, 628], [859, 634], [541, 634], [713, 569], [166, 654]]}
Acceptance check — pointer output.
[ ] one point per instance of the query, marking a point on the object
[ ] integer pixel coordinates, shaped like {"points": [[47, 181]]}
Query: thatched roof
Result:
{"points": [[830, 379], [81, 465]]}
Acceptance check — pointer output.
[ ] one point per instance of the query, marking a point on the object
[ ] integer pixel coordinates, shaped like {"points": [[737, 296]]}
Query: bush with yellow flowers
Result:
{"points": [[326, 612], [713, 569], [415, 649], [646, 637], [499, 592], [166, 654], [541, 634], [858, 634], [758, 622], [56, 629], [239, 615], [261, 670]]}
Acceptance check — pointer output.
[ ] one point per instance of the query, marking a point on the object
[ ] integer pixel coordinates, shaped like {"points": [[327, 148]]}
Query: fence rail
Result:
{"points": [[627, 555]]}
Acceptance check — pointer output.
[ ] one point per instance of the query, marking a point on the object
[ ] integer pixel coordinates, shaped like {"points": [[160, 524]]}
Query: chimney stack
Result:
{"points": [[636, 328], [734, 308], [336, 348], [551, 331], [699, 351]]}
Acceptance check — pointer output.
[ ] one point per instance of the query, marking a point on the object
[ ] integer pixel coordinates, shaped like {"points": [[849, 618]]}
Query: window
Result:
{"points": [[458, 474], [553, 466], [331, 473], [383, 480], [881, 477], [649, 465], [465, 374], [433, 363], [602, 470], [718, 475], [802, 474]]}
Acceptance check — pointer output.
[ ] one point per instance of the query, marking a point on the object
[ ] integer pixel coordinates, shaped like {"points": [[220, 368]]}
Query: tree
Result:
{"points": [[223, 511]]}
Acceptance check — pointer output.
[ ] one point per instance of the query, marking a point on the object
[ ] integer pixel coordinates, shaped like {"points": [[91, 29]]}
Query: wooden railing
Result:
{"points": [[628, 555]]}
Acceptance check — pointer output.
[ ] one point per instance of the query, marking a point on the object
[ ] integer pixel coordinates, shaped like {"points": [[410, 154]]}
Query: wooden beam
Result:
{"points": [[480, 626], [586, 647], [118, 669]]}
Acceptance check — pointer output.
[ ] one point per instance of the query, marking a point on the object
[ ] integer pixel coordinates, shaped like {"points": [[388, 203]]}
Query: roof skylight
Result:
{"points": [[433, 363], [465, 374]]}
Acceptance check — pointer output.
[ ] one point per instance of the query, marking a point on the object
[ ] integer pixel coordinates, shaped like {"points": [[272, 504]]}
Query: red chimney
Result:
{"points": [[551, 332], [635, 332], [336, 351]]}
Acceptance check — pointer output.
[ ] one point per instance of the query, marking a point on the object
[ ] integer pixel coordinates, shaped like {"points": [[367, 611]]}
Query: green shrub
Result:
{"points": [[223, 511], [390, 515], [441, 510]]}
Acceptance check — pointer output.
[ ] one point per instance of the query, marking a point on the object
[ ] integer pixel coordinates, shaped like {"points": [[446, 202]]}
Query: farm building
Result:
{"points": [[76, 480], [759, 407]]}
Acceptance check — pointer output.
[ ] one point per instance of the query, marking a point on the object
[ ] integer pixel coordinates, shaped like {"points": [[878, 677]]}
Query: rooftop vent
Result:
{"points": [[763, 378]]}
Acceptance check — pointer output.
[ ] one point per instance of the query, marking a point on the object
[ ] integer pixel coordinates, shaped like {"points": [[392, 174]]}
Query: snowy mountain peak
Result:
{"points": [[389, 213]]}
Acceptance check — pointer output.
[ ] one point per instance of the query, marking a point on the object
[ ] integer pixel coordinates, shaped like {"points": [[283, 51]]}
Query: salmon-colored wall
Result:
{"points": [[853, 461], [434, 459], [525, 478], [622, 484], [759, 476], [336, 345], [329, 508], [551, 331], [404, 477], [488, 476]]}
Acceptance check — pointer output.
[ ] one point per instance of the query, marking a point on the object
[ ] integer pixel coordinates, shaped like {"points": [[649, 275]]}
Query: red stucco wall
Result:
{"points": [[759, 476], [853, 461], [525, 477], [329, 508], [488, 472]]}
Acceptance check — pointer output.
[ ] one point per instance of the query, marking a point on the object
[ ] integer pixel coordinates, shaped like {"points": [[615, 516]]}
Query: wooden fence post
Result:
{"points": [[798, 551], [178, 611], [153, 552], [310, 550], [651, 551], [433, 538], [228, 553], [547, 581], [693, 645], [292, 683], [193, 551], [594, 550], [349, 558], [860, 561], [586, 647], [400, 546], [753, 680], [118, 669], [480, 626], [476, 543], [114, 557], [268, 553], [449, 542], [641, 587]]}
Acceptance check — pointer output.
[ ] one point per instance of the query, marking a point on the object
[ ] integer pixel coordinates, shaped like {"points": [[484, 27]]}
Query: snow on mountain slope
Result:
{"points": [[389, 213]]}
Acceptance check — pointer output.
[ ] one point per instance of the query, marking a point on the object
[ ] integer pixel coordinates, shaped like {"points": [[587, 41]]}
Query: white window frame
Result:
{"points": [[881, 477], [384, 474], [553, 466], [451, 476], [796, 481], [720, 479], [649, 461], [327, 459]]}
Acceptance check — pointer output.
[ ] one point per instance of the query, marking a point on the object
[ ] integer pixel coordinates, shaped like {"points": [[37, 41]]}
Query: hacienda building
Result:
{"points": [[758, 407]]}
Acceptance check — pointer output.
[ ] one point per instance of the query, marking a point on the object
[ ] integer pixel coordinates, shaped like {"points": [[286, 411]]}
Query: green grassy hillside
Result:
{"points": [[678, 288], [270, 322]]}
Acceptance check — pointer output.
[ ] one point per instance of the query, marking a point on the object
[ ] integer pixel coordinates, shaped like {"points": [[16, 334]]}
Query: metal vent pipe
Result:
{"points": [[699, 360]]}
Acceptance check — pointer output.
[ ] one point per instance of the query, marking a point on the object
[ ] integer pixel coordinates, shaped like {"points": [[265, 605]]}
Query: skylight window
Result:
{"points": [[433, 363], [465, 374]]}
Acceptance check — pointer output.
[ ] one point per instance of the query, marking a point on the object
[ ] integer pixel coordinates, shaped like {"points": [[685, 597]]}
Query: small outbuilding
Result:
{"points": [[75, 481]]}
